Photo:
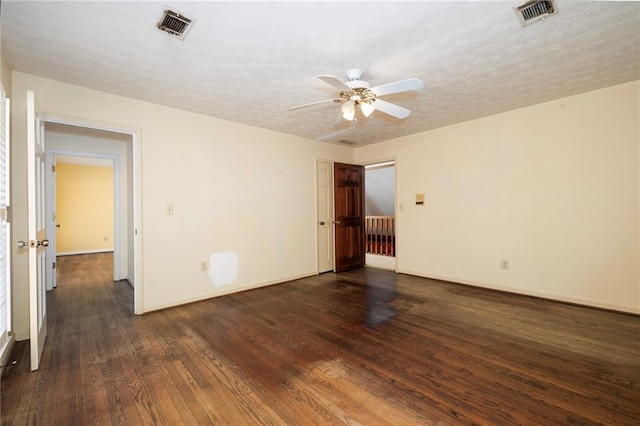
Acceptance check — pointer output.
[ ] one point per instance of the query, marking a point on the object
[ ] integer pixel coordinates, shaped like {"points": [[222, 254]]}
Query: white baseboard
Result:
{"points": [[543, 295], [21, 335], [5, 353], [224, 292], [71, 253]]}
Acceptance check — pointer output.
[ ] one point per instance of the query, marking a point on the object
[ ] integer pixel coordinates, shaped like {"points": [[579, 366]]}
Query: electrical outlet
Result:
{"points": [[169, 209], [204, 266], [504, 264]]}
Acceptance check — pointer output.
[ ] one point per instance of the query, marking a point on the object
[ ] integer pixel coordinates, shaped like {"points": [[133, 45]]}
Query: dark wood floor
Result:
{"points": [[325, 350]]}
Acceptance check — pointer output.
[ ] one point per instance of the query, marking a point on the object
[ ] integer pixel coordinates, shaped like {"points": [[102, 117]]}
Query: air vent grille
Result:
{"points": [[346, 142], [175, 24], [535, 10]]}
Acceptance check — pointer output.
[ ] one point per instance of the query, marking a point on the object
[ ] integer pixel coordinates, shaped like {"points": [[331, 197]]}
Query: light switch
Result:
{"points": [[419, 199], [169, 209]]}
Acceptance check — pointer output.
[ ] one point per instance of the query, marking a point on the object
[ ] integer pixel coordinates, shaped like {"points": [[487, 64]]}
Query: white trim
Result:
{"points": [[136, 185], [333, 236], [539, 294], [21, 335], [230, 290], [51, 196], [5, 353], [73, 253], [391, 162]]}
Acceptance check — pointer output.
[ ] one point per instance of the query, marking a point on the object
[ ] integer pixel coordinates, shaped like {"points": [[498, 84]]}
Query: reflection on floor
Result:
{"points": [[380, 293], [381, 262]]}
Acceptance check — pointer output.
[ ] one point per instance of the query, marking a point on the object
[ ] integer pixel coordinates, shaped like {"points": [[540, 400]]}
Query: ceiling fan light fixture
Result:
{"points": [[359, 100], [349, 110], [366, 108]]}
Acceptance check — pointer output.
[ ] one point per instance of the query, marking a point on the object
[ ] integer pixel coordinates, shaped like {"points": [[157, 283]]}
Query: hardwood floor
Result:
{"points": [[364, 347]]}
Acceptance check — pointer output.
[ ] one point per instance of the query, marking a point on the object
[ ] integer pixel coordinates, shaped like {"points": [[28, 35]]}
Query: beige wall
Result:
{"points": [[84, 208], [552, 188], [234, 188]]}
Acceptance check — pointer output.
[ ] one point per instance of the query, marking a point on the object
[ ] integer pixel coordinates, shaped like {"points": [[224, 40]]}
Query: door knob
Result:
{"points": [[57, 225], [321, 222], [43, 243]]}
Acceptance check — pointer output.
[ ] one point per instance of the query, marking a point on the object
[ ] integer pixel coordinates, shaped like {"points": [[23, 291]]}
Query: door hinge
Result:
{"points": [[54, 265], [53, 168]]}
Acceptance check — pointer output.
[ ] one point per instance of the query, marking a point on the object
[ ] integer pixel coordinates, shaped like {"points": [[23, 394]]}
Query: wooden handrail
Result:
{"points": [[380, 233]]}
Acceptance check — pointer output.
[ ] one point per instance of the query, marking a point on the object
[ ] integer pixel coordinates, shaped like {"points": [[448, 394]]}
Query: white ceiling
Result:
{"points": [[249, 61]]}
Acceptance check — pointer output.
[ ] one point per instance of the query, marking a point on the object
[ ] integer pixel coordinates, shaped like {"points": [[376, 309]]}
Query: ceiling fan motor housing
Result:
{"points": [[355, 82]]}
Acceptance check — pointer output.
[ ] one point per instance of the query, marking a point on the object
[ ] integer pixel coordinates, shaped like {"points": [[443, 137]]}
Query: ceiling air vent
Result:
{"points": [[535, 10], [346, 142], [174, 24]]}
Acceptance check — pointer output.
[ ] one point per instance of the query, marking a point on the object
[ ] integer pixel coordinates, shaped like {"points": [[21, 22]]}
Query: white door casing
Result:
{"points": [[50, 178], [135, 224], [53, 225], [36, 242], [324, 191]]}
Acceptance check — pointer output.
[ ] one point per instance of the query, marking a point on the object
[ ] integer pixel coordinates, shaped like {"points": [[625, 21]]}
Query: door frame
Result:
{"points": [[396, 205], [136, 185], [332, 218], [51, 197]]}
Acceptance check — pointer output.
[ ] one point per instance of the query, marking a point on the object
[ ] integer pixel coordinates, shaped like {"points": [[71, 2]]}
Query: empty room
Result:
{"points": [[233, 281]]}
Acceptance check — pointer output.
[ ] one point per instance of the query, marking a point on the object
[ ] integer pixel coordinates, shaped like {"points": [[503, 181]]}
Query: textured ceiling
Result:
{"points": [[249, 61]]}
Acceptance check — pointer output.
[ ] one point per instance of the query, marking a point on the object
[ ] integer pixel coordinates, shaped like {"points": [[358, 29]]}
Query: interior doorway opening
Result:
{"points": [[84, 152], [380, 215]]}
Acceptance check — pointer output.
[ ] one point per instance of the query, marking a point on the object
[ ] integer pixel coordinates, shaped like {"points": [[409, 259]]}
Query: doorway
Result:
{"points": [[340, 216], [324, 215], [380, 215], [94, 147], [84, 209]]}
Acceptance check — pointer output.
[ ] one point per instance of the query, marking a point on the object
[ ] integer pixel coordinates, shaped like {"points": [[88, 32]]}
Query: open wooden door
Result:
{"points": [[37, 241], [349, 216]]}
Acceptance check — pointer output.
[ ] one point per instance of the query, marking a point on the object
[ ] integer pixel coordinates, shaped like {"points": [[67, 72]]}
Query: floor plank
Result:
{"points": [[366, 347]]}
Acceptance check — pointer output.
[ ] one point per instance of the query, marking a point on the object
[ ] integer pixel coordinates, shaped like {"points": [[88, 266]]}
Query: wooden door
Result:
{"points": [[349, 216], [37, 242]]}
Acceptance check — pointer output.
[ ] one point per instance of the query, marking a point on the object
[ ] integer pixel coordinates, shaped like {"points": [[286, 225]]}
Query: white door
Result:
{"points": [[37, 241], [52, 225], [5, 234], [324, 183]]}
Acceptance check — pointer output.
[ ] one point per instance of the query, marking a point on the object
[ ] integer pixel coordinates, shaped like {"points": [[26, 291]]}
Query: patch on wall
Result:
{"points": [[224, 268]]}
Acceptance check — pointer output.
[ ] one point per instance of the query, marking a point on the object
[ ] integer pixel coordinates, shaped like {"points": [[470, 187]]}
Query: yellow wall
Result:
{"points": [[84, 208], [552, 188]]}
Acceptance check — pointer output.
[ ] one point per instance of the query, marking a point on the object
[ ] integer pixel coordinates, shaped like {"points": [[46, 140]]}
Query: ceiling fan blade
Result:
{"points": [[391, 109], [397, 87], [333, 81], [335, 100]]}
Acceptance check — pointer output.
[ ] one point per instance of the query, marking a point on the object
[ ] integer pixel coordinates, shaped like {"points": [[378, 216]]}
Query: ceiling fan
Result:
{"points": [[357, 96]]}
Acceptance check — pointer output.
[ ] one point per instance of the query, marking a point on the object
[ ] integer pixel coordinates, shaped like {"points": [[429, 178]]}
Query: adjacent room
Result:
{"points": [[320, 212]]}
